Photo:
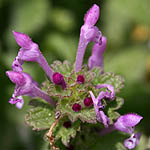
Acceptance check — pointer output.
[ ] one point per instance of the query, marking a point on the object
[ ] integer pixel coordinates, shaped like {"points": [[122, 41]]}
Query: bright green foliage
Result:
{"points": [[65, 68], [66, 133], [77, 92], [108, 78], [41, 116], [112, 107], [115, 105], [85, 115]]}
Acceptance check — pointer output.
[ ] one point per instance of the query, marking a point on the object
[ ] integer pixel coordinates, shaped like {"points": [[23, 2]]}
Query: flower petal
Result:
{"points": [[92, 15], [23, 40]]}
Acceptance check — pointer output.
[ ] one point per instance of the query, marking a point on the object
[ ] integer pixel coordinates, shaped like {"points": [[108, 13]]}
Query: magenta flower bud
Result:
{"points": [[70, 147], [80, 79], [23, 40], [67, 124], [16, 77], [29, 51], [76, 107], [92, 15], [96, 59], [131, 142], [58, 79], [126, 122], [88, 101], [25, 86]]}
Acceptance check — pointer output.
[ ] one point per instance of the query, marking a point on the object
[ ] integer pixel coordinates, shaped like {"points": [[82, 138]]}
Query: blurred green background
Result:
{"points": [[55, 26]]}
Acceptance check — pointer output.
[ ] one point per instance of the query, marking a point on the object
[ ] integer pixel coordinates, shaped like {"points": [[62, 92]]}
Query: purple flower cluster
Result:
{"points": [[25, 85]]}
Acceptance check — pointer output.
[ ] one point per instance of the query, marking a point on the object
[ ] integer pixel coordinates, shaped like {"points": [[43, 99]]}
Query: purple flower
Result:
{"points": [[100, 115], [127, 122], [110, 93], [88, 33], [96, 59], [25, 86], [29, 51], [134, 140]]}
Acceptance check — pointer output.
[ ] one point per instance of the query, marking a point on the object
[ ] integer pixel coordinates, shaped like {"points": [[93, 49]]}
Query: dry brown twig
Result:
{"points": [[50, 132]]}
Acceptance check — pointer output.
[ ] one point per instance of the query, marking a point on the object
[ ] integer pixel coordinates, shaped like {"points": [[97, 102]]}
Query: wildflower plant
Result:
{"points": [[75, 99]]}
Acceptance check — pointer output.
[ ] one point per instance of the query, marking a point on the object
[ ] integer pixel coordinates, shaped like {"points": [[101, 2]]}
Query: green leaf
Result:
{"points": [[116, 104], [111, 108], [66, 133], [85, 115], [90, 139], [75, 92], [108, 78], [41, 116], [64, 68]]}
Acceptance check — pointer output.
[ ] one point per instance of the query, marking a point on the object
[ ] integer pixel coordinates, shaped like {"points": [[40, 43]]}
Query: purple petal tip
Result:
{"points": [[131, 119], [92, 15], [22, 40], [16, 77]]}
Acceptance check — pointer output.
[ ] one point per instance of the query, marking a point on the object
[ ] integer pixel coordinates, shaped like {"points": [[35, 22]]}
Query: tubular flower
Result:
{"points": [[100, 115], [96, 59], [126, 124], [29, 51], [25, 86], [88, 33]]}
